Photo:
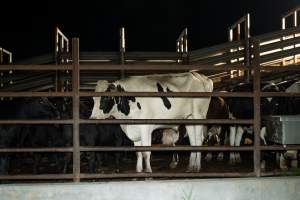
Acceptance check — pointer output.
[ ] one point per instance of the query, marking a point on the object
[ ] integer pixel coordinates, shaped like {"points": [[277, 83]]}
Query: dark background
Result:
{"points": [[27, 27]]}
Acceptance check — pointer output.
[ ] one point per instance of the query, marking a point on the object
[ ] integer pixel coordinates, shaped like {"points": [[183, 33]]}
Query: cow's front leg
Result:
{"points": [[231, 142], [146, 141], [196, 139], [139, 162], [147, 156], [237, 143]]}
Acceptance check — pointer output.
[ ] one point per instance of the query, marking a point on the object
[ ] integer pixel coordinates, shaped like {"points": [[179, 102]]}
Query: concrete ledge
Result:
{"points": [[279, 188]]}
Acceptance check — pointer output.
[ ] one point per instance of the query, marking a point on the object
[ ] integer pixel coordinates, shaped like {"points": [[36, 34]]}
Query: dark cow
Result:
{"points": [[95, 135], [26, 135], [242, 108]]}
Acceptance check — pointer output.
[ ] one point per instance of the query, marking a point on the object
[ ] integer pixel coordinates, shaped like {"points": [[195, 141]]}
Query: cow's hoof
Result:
{"points": [[208, 157], [193, 169], [173, 165], [238, 158], [294, 163], [263, 165], [232, 161], [220, 157], [148, 170]]}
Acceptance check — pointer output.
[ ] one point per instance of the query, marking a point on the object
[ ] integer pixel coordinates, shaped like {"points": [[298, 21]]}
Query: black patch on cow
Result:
{"points": [[123, 102], [139, 105], [166, 101], [107, 103]]}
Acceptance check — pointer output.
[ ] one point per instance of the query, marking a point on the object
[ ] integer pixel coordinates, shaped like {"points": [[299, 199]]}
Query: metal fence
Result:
{"points": [[255, 67]]}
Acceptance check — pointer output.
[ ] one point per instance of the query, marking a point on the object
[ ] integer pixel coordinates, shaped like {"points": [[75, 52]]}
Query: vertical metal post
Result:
{"points": [[1, 56], [76, 99], [283, 28], [122, 50], [239, 32], [185, 46], [295, 25], [178, 50], [257, 111], [56, 50], [247, 46]]}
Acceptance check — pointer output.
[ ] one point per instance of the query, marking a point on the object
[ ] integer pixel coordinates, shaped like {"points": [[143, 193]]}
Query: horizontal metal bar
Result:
{"points": [[38, 150], [169, 148], [290, 12], [170, 67], [169, 94], [280, 173], [281, 68], [35, 94], [36, 67], [34, 121], [276, 34], [279, 44], [279, 55], [280, 94], [280, 147], [221, 48], [37, 177], [166, 121], [214, 59], [166, 175]]}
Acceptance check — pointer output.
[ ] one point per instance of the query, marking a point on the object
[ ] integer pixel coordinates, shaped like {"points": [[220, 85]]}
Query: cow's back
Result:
{"points": [[182, 82]]}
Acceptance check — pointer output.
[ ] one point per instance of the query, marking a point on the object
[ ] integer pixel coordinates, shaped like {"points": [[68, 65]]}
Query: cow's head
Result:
{"points": [[105, 106]]}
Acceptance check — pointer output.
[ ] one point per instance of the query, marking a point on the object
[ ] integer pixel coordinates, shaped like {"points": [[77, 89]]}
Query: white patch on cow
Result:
{"points": [[152, 108], [170, 137]]}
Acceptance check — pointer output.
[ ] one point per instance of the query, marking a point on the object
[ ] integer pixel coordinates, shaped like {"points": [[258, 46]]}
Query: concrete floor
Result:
{"points": [[279, 188]]}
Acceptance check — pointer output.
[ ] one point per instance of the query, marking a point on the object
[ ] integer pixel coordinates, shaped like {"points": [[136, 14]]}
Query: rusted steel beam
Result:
{"points": [[76, 101], [50, 121], [168, 148], [37, 150], [36, 67], [36, 177], [166, 121], [35, 94], [167, 175], [169, 94], [256, 103]]}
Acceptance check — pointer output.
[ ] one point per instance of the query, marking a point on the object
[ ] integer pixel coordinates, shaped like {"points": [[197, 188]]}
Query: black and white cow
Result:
{"points": [[218, 109], [156, 108], [242, 108]]}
